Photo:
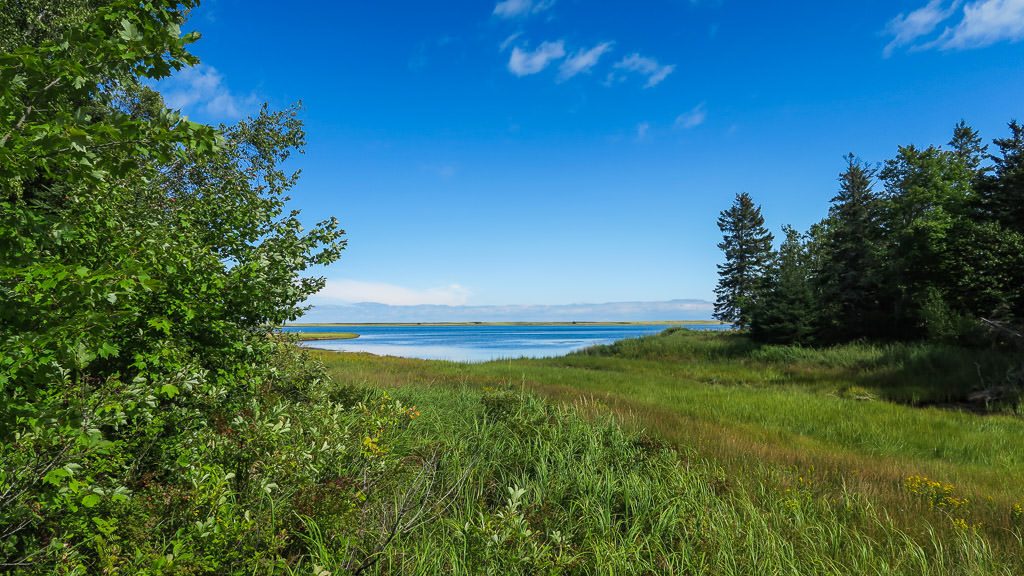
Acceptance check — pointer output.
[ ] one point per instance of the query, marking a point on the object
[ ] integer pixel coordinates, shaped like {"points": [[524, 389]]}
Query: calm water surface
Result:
{"points": [[478, 343]]}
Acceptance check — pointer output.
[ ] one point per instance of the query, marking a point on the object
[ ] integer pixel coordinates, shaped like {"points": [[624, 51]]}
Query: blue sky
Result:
{"points": [[561, 151]]}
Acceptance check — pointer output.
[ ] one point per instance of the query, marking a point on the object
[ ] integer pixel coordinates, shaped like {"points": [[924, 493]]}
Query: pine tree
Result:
{"points": [[785, 312], [747, 245]]}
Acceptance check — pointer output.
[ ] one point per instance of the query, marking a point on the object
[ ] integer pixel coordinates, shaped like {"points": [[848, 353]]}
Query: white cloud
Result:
{"points": [[981, 23], [201, 88], [644, 66], [693, 118], [518, 8], [524, 62], [906, 28], [986, 22], [355, 291], [582, 60]]}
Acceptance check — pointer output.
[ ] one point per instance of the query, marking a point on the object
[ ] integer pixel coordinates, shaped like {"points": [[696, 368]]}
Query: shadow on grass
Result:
{"points": [[916, 373]]}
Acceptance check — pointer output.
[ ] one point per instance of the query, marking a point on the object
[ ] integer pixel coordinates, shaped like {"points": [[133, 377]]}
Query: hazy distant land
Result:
{"points": [[665, 312]]}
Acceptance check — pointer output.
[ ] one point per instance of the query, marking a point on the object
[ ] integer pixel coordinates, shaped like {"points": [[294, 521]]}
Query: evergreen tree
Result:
{"points": [[747, 245], [850, 275], [1002, 193], [967, 146], [985, 270], [785, 312]]}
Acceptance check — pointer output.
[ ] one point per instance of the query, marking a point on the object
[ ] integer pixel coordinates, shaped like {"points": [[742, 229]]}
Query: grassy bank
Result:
{"points": [[777, 418]]}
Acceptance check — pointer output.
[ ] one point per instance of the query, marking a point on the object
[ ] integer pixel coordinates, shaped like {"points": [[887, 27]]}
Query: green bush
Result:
{"points": [[145, 260]]}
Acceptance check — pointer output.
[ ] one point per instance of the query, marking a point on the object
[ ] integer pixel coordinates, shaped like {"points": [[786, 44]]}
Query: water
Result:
{"points": [[478, 343]]}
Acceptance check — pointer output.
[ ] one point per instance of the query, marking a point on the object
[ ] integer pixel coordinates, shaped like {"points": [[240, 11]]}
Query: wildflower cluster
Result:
{"points": [[941, 496], [938, 494]]}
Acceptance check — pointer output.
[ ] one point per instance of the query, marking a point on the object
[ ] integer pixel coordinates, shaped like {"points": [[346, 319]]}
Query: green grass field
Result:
{"points": [[868, 437]]}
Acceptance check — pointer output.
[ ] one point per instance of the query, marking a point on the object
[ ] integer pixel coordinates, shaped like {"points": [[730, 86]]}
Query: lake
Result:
{"points": [[479, 343]]}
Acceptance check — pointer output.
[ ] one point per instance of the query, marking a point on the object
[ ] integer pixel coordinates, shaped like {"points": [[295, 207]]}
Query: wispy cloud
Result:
{"points": [[985, 23], [520, 8], [906, 28], [508, 41], [202, 89], [981, 23], [582, 61], [524, 62], [647, 67], [692, 118], [356, 291]]}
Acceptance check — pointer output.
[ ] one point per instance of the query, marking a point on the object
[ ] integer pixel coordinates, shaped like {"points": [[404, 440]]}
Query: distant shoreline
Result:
{"points": [[314, 336], [596, 323]]}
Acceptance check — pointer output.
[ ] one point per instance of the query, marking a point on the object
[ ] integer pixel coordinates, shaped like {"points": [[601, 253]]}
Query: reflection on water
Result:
{"points": [[478, 343]]}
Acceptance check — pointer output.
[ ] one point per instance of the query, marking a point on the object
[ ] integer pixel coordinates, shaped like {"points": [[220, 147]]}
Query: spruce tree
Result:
{"points": [[851, 274], [747, 245], [967, 146], [785, 312], [1002, 193]]}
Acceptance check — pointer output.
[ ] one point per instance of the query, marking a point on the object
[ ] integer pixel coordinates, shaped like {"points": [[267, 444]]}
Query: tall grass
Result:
{"points": [[766, 413], [527, 487]]}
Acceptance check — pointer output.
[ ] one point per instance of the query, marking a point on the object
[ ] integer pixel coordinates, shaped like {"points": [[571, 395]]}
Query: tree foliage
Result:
{"points": [[144, 261], [937, 249], [785, 311], [747, 246]]}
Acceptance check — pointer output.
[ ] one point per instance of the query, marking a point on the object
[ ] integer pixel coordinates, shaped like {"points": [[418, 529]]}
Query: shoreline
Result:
{"points": [[315, 336]]}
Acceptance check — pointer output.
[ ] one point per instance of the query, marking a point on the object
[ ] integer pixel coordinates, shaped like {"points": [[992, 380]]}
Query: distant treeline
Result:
{"points": [[926, 245]]}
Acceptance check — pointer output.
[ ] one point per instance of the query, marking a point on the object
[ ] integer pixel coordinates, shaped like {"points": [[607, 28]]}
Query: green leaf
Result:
{"points": [[107, 350], [91, 500], [162, 324]]}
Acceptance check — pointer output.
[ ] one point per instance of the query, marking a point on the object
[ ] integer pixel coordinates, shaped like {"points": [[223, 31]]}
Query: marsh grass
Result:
{"points": [[765, 415], [540, 488]]}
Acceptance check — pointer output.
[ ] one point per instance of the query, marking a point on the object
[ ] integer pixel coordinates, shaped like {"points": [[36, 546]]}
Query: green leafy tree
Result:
{"points": [[30, 22], [144, 262], [747, 246], [927, 192], [785, 313]]}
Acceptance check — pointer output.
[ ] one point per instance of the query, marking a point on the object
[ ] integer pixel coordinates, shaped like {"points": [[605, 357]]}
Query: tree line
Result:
{"points": [[926, 245]]}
